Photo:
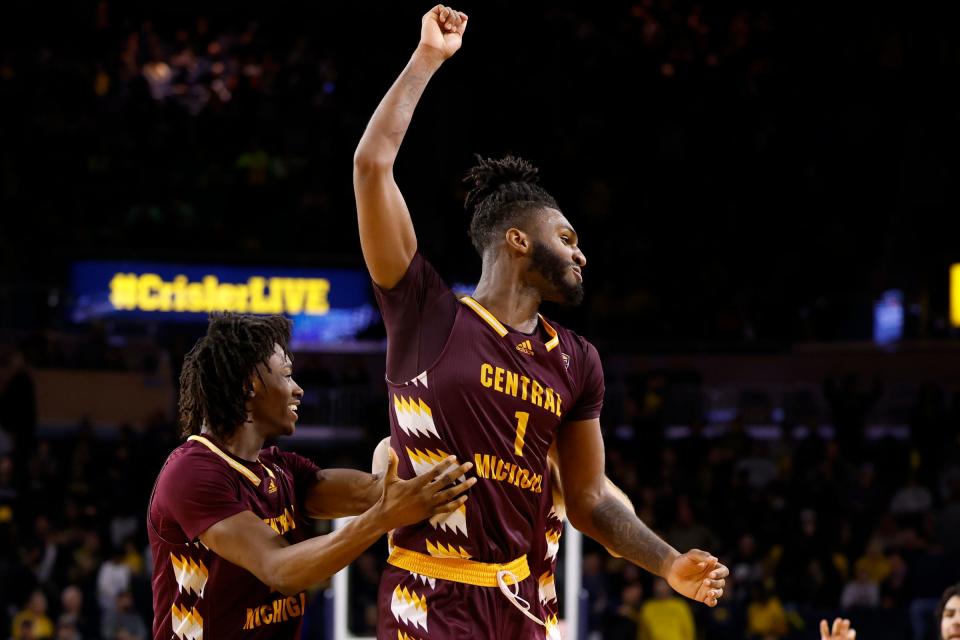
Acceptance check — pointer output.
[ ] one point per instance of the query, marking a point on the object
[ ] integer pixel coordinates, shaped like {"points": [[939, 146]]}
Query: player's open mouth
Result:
{"points": [[576, 272], [294, 408]]}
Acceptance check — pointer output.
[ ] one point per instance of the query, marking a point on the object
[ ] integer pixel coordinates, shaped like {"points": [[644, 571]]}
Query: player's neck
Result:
{"points": [[510, 301], [245, 443]]}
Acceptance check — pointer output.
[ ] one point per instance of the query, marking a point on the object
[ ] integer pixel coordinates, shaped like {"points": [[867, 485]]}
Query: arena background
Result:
{"points": [[766, 195]]}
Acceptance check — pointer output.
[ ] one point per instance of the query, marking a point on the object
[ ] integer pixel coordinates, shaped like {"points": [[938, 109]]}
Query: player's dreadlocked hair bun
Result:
{"points": [[215, 381], [503, 191]]}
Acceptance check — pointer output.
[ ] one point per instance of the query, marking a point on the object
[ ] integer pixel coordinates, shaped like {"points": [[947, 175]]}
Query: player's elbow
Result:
{"points": [[368, 162], [580, 507], [280, 576], [286, 588]]}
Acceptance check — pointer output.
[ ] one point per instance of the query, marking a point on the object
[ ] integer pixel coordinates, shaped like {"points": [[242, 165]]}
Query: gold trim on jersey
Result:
{"points": [[486, 315], [479, 574], [497, 326], [249, 475], [554, 337]]}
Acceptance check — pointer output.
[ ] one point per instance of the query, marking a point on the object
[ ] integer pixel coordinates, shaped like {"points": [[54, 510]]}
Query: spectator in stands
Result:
{"points": [[71, 612], [113, 579], [123, 619], [874, 562], [86, 558], [43, 473], [862, 593], [766, 617], [32, 621], [746, 569], [666, 616], [67, 630], [893, 590], [46, 551], [595, 584], [912, 499], [948, 518], [687, 532]]}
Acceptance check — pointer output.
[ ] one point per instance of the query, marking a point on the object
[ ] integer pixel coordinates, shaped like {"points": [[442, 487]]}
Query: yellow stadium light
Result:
{"points": [[955, 295]]}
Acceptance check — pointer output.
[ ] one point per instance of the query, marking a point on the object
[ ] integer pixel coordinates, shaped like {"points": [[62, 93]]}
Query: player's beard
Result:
{"points": [[555, 269]]}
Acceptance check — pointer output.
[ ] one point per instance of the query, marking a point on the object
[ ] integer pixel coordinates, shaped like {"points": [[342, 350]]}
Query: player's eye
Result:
{"points": [[565, 239]]}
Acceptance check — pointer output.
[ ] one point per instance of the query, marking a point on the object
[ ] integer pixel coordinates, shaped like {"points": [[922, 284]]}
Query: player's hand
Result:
{"points": [[410, 501], [841, 630], [442, 30], [698, 575]]}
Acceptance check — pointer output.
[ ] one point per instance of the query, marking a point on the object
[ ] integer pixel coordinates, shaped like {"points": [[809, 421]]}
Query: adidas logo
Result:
{"points": [[273, 486], [525, 347]]}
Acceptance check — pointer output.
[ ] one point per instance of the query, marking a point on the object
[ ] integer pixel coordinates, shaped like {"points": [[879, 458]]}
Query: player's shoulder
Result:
{"points": [[420, 273], [283, 460], [277, 456], [191, 460], [570, 340]]}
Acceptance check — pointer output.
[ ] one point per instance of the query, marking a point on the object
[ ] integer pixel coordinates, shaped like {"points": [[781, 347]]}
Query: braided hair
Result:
{"points": [[215, 381], [503, 192]]}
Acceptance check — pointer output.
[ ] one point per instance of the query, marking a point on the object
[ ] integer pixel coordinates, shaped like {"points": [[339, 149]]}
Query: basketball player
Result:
{"points": [[226, 519], [487, 378], [948, 613]]}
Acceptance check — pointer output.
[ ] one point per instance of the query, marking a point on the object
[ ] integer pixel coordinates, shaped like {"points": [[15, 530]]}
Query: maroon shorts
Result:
{"points": [[421, 608]]}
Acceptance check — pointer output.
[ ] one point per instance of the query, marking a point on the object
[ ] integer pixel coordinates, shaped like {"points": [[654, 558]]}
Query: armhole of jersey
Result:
{"points": [[153, 493], [443, 350]]}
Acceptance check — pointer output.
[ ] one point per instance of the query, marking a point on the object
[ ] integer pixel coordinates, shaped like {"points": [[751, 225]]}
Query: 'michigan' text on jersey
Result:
{"points": [[197, 594]]}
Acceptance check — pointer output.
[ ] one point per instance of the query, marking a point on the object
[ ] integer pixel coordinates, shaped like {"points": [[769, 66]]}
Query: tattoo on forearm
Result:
{"points": [[399, 111], [622, 531]]}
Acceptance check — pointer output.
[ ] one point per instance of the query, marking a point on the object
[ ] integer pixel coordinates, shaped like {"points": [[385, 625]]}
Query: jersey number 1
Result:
{"points": [[522, 417]]}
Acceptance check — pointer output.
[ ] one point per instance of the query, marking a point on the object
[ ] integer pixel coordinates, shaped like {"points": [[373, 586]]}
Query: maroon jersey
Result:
{"points": [[197, 594], [461, 382], [543, 561]]}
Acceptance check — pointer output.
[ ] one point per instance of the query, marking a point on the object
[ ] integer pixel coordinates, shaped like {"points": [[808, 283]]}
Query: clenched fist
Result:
{"points": [[442, 30]]}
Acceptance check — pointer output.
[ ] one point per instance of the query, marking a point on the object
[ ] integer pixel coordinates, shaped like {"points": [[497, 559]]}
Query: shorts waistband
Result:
{"points": [[480, 574]]}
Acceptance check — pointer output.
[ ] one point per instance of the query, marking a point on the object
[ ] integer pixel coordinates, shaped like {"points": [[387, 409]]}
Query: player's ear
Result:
{"points": [[253, 386], [517, 240]]}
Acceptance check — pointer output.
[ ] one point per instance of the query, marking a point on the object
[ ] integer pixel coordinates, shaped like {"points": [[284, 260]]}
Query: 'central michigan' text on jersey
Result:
{"points": [[462, 383]]}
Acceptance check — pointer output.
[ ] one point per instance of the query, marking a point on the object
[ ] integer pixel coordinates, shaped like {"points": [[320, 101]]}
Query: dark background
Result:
{"points": [[746, 179], [737, 172]]}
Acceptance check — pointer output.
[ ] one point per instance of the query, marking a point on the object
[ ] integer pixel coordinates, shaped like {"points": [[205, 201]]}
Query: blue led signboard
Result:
{"points": [[327, 305]]}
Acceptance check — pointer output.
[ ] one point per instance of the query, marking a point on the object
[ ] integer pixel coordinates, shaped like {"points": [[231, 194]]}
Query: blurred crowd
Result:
{"points": [[207, 134], [740, 174], [810, 526]]}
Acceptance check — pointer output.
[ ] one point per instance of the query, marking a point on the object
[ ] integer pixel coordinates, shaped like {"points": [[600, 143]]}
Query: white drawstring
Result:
{"points": [[514, 595]]}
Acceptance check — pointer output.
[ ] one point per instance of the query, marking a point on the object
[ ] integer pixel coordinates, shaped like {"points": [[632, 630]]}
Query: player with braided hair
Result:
{"points": [[226, 518], [488, 378]]}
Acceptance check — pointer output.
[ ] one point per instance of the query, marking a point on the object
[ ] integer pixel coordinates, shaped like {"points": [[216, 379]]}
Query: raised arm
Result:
{"points": [[386, 231], [245, 540], [597, 511]]}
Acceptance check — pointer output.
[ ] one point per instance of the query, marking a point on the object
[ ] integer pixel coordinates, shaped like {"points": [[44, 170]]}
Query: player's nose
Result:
{"points": [[580, 258]]}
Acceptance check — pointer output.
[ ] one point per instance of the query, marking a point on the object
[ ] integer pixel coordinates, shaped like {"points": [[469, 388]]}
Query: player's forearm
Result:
{"points": [[614, 525], [305, 564], [381, 141], [342, 492]]}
